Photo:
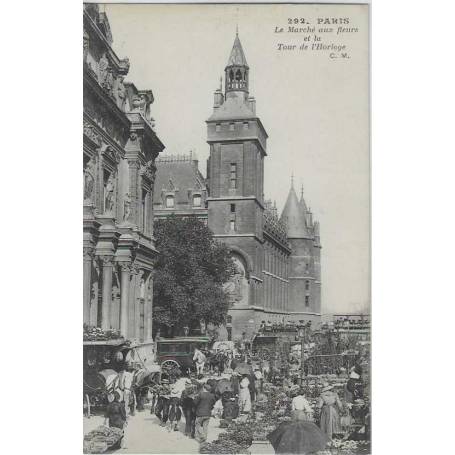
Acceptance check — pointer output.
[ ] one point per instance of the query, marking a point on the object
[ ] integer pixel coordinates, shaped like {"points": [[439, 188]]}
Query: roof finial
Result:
{"points": [[237, 30], [221, 83], [301, 192], [292, 180]]}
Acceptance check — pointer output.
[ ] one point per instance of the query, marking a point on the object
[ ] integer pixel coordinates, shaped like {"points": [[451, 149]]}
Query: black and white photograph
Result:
{"points": [[226, 228]]}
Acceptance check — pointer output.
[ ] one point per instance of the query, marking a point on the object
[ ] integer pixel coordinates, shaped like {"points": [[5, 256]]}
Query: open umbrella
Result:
{"points": [[244, 368], [297, 437], [224, 385]]}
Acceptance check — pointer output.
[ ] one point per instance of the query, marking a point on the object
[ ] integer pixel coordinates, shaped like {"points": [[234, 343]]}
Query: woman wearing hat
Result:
{"points": [[330, 405]]}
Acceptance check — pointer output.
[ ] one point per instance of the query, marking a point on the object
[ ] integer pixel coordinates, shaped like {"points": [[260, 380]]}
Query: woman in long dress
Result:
{"points": [[244, 395], [330, 405]]}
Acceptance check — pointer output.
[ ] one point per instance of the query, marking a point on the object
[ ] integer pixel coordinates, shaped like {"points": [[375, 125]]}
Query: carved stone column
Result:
{"points": [[132, 306], [148, 323], [134, 165], [125, 271], [88, 258], [107, 291]]}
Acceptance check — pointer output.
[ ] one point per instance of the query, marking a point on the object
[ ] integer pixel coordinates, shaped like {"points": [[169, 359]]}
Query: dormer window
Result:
{"points": [[197, 200], [231, 126], [170, 202], [245, 125], [218, 127]]}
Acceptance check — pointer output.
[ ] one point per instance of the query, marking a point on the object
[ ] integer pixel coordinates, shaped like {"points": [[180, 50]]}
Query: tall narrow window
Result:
{"points": [[144, 209], [232, 225], [233, 176], [307, 300], [232, 208], [170, 202], [307, 285]]}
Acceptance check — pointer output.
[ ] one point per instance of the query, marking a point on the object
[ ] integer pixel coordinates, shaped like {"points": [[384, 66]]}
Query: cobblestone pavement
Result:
{"points": [[143, 435]]}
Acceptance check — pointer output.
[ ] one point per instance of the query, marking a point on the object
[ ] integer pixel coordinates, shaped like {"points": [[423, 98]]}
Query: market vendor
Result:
{"points": [[300, 406], [354, 386]]}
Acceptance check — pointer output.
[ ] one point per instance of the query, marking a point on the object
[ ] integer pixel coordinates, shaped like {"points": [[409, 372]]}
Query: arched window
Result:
{"points": [[170, 202], [197, 200], [231, 75], [238, 75]]}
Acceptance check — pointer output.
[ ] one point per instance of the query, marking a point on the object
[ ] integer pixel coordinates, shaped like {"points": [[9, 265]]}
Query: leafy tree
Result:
{"points": [[190, 272]]}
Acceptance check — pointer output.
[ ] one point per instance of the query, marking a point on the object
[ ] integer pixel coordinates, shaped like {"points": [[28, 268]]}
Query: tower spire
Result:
{"points": [[292, 180], [236, 71]]}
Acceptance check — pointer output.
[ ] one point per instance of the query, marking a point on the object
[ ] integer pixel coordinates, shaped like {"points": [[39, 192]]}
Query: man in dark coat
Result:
{"points": [[203, 403], [189, 410], [115, 414]]}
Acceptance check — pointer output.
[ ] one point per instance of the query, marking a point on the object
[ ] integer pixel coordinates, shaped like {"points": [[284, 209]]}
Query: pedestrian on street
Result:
{"points": [[189, 410], [330, 406], [203, 403], [115, 415], [245, 396]]}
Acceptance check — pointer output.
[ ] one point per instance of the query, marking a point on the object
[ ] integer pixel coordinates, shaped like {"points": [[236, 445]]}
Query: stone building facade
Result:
{"points": [[277, 257], [119, 151]]}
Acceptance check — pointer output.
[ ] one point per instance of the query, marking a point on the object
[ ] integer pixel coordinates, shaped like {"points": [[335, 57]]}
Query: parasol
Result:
{"points": [[244, 368], [297, 437]]}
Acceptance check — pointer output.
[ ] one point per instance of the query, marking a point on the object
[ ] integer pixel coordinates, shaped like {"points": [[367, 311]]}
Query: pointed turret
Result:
{"points": [[237, 57], [236, 70], [302, 202], [294, 217]]}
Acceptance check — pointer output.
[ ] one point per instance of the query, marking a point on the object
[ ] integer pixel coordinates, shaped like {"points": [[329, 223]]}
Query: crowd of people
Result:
{"points": [[232, 389]]}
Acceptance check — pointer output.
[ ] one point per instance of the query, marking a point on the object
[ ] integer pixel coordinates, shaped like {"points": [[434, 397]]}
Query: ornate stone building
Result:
{"points": [[277, 258], [120, 148]]}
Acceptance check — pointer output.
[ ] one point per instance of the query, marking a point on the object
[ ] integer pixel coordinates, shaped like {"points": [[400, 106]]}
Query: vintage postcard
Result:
{"points": [[226, 228]]}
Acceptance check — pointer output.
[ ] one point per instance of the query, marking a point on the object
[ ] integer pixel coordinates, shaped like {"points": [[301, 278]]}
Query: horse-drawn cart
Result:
{"points": [[103, 363], [175, 355]]}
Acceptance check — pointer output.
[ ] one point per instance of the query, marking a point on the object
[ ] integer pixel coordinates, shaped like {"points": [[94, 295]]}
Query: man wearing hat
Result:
{"points": [[203, 404]]}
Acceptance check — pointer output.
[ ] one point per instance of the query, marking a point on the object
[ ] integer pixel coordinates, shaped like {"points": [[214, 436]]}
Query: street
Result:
{"points": [[144, 435]]}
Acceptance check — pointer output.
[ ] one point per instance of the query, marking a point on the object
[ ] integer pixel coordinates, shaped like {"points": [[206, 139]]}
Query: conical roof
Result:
{"points": [[294, 217], [302, 204], [237, 56]]}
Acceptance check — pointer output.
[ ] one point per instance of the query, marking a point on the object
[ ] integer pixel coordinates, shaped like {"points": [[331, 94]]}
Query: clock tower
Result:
{"points": [[235, 172]]}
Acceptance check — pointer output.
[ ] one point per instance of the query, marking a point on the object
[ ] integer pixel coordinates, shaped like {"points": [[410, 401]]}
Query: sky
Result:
{"points": [[314, 109]]}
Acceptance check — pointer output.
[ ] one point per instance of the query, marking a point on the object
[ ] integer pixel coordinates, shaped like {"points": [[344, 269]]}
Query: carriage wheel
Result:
{"points": [[170, 368]]}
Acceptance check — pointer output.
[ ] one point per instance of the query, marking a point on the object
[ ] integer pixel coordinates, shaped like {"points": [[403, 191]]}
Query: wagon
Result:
{"points": [[102, 362], [176, 354]]}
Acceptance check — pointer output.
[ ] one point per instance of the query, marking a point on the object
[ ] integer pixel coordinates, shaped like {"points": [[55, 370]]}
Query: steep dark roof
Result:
{"points": [[294, 217], [237, 56], [182, 175]]}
